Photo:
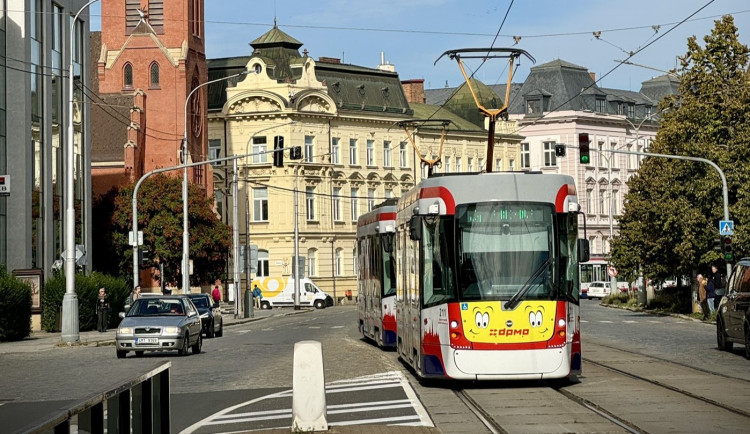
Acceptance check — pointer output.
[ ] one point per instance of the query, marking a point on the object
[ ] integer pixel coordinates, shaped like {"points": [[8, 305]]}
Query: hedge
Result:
{"points": [[87, 290], [15, 307]]}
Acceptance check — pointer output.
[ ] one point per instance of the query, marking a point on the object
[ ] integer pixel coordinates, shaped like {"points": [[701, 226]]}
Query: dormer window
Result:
{"points": [[601, 105], [533, 106]]}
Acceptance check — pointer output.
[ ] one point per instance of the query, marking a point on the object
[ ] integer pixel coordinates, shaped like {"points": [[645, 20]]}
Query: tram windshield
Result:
{"points": [[504, 248]]}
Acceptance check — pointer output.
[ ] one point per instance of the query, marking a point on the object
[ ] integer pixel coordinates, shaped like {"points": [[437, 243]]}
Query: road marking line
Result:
{"points": [[378, 420], [630, 322], [337, 327], [606, 322]]}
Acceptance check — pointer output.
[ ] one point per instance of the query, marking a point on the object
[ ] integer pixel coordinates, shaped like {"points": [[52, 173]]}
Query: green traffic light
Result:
{"points": [[584, 159], [728, 257]]}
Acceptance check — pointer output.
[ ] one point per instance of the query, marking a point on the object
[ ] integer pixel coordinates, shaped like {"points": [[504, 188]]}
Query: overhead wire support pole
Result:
{"points": [[724, 188], [492, 114]]}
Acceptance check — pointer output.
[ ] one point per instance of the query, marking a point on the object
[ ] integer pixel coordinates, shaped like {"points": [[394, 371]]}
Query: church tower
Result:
{"points": [[152, 54]]}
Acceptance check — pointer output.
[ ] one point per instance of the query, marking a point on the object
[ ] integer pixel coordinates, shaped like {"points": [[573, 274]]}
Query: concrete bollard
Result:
{"points": [[309, 394]]}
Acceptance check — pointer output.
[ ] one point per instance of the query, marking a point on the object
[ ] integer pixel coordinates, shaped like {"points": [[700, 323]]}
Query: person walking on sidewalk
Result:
{"points": [[102, 309], [702, 296], [257, 296], [718, 280]]}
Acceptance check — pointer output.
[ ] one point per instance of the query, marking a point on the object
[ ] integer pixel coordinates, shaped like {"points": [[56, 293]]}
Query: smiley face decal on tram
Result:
{"points": [[531, 321]]}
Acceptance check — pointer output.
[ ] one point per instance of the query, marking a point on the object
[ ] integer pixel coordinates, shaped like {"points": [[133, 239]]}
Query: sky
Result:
{"points": [[412, 34]]}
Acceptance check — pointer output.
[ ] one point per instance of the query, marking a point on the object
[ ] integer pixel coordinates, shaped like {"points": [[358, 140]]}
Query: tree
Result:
{"points": [[160, 219], [673, 207]]}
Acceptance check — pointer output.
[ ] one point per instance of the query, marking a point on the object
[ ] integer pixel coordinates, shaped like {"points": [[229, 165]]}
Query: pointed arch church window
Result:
{"points": [[154, 75], [127, 76]]}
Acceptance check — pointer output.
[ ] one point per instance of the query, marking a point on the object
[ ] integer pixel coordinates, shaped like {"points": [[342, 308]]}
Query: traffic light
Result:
{"points": [[143, 257], [295, 153], [718, 245], [278, 151], [728, 255], [583, 148], [559, 150]]}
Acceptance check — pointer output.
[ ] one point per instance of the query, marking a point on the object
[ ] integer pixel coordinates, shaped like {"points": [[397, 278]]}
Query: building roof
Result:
{"points": [[429, 111], [462, 103], [661, 86], [353, 88]]}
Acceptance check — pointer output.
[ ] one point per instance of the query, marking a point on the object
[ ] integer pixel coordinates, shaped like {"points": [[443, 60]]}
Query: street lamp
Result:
{"points": [[185, 154], [70, 332]]}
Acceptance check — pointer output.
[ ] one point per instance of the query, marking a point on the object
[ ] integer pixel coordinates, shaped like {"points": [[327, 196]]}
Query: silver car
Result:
{"points": [[159, 323]]}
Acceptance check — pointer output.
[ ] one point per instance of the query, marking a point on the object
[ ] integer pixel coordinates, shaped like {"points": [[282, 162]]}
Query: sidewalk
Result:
{"points": [[44, 341]]}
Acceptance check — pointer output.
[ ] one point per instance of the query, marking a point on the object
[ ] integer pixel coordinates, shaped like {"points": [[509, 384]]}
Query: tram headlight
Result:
{"points": [[454, 324], [561, 322]]}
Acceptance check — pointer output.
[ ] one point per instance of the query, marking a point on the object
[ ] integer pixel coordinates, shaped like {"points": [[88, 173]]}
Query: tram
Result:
{"points": [[487, 282], [377, 274]]}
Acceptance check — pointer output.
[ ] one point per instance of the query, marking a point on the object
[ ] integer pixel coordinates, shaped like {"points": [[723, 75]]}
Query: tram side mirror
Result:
{"points": [[584, 254], [415, 228]]}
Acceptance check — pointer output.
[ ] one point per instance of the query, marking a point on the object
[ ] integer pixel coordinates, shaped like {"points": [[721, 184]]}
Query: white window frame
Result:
{"points": [[370, 152], [403, 156], [354, 204], [312, 263], [550, 158], [525, 156], [447, 164], [339, 261], [310, 203], [470, 164], [353, 152], [370, 199], [335, 150], [309, 148], [337, 204], [387, 154], [458, 164], [260, 204], [260, 146]]}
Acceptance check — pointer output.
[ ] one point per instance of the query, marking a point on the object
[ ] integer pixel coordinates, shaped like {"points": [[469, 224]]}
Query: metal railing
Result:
{"points": [[140, 403]]}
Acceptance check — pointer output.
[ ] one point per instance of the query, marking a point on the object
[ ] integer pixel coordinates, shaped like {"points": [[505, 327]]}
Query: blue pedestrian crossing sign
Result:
{"points": [[726, 227]]}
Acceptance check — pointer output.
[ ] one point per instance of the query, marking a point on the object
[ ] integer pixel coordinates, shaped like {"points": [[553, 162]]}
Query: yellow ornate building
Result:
{"points": [[354, 155]]}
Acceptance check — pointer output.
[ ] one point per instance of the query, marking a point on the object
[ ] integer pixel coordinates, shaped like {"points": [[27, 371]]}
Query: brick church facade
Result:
{"points": [[148, 57]]}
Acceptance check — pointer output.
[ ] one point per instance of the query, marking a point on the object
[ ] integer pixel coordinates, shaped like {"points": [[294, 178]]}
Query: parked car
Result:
{"points": [[733, 314], [599, 290], [159, 323], [210, 312]]}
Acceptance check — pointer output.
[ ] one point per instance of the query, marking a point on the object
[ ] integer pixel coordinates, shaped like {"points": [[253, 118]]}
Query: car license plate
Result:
{"points": [[146, 340]]}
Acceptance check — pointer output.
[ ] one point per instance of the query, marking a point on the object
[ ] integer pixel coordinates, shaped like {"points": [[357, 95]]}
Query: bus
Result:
{"points": [[376, 282], [595, 270], [487, 276]]}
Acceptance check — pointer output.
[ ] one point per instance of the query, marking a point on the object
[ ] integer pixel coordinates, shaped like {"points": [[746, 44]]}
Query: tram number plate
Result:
{"points": [[146, 340]]}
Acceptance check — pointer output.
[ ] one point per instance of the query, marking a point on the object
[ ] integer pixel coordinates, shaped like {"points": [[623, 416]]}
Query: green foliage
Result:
{"points": [[160, 219], [673, 207], [620, 299], [15, 307], [87, 290], [673, 300]]}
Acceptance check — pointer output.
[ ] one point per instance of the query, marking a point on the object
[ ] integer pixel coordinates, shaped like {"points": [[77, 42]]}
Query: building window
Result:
{"points": [[312, 269], [310, 200], [512, 165], [615, 202], [601, 105], [132, 17], [480, 163], [260, 204], [613, 157], [156, 14], [195, 17], [629, 158], [335, 150], [525, 156], [603, 200], [631, 111], [337, 204], [309, 146], [339, 261], [355, 265], [219, 198], [262, 270], [387, 154], [154, 75], [534, 107], [550, 160], [498, 164], [402, 154], [589, 201], [353, 152], [470, 164], [214, 150], [458, 165], [127, 76], [354, 203], [600, 154], [388, 193], [371, 152], [370, 199], [447, 161], [260, 146]]}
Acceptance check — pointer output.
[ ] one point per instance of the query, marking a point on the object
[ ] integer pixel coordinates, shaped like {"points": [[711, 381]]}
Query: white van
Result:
{"points": [[279, 291]]}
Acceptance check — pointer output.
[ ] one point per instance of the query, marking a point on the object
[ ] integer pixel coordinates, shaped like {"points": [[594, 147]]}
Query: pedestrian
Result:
{"points": [[167, 289], [102, 308], [257, 296], [216, 294], [702, 296], [710, 294], [719, 285], [134, 295]]}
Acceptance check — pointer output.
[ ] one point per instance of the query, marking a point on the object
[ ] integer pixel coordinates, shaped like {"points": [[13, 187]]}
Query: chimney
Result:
{"points": [[414, 90], [593, 76], [329, 60]]}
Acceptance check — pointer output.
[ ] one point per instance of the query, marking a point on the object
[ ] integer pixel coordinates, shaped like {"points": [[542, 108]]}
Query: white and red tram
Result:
{"points": [[487, 276], [377, 275]]}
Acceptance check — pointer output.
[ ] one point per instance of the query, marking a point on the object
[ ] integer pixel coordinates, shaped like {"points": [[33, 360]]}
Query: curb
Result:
{"points": [[657, 313]]}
